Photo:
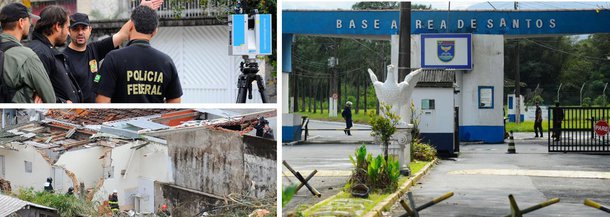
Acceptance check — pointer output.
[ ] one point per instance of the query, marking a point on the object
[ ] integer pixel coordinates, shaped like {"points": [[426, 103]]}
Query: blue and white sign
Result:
{"points": [[446, 51], [544, 22]]}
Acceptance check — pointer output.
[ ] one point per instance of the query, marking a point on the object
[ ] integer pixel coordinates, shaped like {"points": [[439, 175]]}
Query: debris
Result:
{"points": [[5, 185], [259, 213]]}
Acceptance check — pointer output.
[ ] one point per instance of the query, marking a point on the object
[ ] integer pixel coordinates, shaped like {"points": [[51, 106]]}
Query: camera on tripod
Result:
{"points": [[250, 37]]}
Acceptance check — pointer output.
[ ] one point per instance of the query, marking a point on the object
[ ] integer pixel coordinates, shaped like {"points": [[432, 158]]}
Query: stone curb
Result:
{"points": [[393, 198]]}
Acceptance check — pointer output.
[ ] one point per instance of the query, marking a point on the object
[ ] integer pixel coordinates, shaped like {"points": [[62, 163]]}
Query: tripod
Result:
{"points": [[244, 82]]}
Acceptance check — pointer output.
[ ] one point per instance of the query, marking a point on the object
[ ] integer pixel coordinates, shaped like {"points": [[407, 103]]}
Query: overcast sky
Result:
{"points": [[455, 5]]}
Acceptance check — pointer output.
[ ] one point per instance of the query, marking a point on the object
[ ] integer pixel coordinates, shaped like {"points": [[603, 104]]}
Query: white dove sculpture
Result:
{"points": [[398, 95]]}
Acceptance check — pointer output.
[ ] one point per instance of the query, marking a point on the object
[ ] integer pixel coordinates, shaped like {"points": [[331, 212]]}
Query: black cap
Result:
{"points": [[15, 11], [79, 19]]}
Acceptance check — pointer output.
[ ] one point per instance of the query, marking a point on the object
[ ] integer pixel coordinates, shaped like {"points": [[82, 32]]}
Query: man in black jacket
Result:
{"points": [[347, 114], [52, 31]]}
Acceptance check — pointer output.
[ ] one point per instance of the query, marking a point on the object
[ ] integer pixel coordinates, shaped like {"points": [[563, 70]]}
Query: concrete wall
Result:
{"points": [[103, 10], [207, 160], [85, 164], [15, 167], [262, 173], [219, 162], [149, 162]]}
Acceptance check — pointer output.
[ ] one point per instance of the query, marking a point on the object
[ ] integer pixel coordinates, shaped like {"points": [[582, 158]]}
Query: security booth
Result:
{"points": [[433, 98]]}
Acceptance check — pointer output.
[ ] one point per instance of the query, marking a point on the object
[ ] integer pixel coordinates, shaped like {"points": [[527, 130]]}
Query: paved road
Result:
{"points": [[337, 136], [485, 192], [330, 159], [481, 177]]}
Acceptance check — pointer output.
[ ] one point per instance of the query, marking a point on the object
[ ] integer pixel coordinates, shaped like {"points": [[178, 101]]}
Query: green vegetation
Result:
{"points": [[357, 118], [288, 193], [423, 151], [376, 197], [384, 127], [66, 205]]}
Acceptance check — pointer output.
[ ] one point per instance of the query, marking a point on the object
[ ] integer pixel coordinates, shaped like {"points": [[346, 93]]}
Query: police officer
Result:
{"points": [[24, 75], [138, 73], [52, 31], [85, 57]]}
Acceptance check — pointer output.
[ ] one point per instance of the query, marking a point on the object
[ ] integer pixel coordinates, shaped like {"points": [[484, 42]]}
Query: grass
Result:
{"points": [[376, 197], [525, 126], [360, 118]]}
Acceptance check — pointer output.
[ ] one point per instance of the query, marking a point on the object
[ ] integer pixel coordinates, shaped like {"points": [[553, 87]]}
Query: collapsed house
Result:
{"points": [[187, 158]]}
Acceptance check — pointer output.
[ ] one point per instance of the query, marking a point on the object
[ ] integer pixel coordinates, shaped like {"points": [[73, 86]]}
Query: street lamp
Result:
{"points": [[561, 84], [604, 105], [581, 88]]}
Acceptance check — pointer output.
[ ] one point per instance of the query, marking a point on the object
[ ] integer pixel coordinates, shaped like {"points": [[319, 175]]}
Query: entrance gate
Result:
{"points": [[577, 130]]}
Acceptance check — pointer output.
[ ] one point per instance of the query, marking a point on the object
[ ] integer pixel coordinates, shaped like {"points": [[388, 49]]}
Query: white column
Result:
{"points": [[285, 95]]}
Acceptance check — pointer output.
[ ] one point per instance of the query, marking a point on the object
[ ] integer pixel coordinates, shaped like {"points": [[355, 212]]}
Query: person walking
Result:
{"points": [[347, 115], [538, 121], [557, 119]]}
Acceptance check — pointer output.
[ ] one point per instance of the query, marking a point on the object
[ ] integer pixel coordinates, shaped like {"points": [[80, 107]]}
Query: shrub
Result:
{"points": [[66, 205], [376, 173], [423, 151], [384, 126]]}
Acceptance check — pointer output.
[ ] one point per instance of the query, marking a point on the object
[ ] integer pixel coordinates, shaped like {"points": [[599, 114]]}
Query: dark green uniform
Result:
{"points": [[24, 72]]}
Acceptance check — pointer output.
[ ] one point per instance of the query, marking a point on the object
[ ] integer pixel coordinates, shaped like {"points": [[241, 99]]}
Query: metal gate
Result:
{"points": [[576, 129]]}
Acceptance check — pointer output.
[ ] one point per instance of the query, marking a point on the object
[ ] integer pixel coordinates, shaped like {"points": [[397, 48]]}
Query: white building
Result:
{"points": [[113, 151]]}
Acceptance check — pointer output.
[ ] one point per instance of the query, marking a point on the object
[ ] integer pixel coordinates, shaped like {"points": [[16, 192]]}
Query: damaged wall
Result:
{"points": [[221, 162], [207, 160], [261, 164], [85, 164], [131, 166], [15, 167]]}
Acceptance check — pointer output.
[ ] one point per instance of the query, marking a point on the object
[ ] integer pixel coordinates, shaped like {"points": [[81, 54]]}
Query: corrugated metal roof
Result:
{"points": [[436, 78], [10, 205]]}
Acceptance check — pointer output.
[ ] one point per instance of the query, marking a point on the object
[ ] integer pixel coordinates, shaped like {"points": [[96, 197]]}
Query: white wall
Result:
{"points": [[15, 167], [488, 70], [151, 162], [439, 120], [512, 111], [85, 164], [211, 75]]}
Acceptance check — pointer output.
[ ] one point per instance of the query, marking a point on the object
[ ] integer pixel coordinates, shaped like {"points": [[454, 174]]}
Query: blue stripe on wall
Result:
{"points": [[291, 133], [511, 118], [442, 141], [287, 53], [487, 134]]}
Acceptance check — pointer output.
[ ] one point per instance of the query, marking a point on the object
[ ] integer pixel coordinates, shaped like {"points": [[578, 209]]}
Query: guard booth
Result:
{"points": [[583, 129]]}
